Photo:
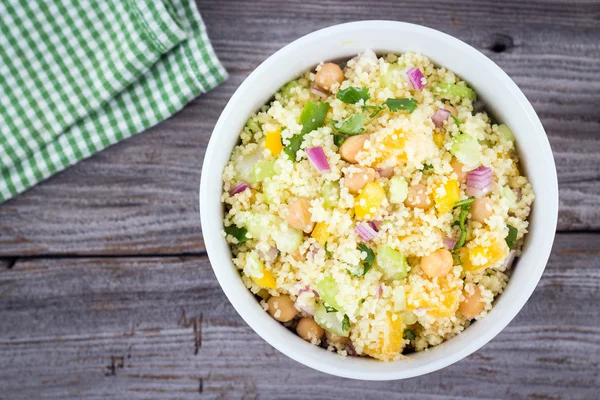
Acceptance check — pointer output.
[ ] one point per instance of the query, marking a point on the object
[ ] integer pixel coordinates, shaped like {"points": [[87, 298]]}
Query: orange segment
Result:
{"points": [[267, 281], [489, 255], [438, 139], [446, 195], [391, 145], [390, 339], [273, 142], [320, 233], [441, 301], [370, 198]]}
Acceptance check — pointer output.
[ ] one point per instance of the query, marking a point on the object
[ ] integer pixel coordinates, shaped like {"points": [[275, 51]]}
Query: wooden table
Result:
{"points": [[106, 290]]}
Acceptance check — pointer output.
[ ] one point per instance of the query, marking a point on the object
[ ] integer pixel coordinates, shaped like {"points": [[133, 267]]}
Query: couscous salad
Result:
{"points": [[374, 208]]}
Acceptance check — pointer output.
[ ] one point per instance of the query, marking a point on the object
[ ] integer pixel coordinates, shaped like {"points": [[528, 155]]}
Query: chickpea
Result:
{"points": [[418, 197], [334, 339], [457, 166], [472, 305], [437, 264], [352, 146], [282, 308], [452, 110], [355, 181], [328, 75], [299, 216], [309, 330], [481, 209]]}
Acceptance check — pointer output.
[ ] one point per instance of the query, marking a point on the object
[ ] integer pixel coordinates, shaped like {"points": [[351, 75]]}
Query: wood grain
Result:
{"points": [[161, 328], [140, 196]]}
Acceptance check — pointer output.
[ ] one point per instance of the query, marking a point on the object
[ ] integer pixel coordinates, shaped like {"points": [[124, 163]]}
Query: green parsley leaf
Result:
{"points": [[327, 252], [462, 218], [377, 110], [409, 334], [408, 105], [455, 118], [368, 262], [361, 302], [457, 258], [238, 233], [328, 308], [338, 139], [353, 95], [463, 202], [511, 238], [426, 167], [312, 117], [353, 125], [346, 323]]}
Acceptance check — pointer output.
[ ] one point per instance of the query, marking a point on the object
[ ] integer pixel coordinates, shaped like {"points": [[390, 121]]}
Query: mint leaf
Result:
{"points": [[312, 117], [353, 95], [238, 233], [353, 125], [511, 238], [408, 105]]}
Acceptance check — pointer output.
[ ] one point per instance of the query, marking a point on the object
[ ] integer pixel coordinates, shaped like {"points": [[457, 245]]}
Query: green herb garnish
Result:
{"points": [[353, 125], [426, 167], [237, 232], [408, 105], [462, 218], [463, 202], [328, 308], [456, 257], [327, 252], [377, 110], [312, 117], [345, 323], [409, 334], [353, 95], [455, 118], [368, 262], [338, 139], [511, 238]]}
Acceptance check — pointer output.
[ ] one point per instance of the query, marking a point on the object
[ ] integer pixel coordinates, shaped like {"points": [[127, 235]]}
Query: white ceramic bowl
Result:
{"points": [[501, 96]]}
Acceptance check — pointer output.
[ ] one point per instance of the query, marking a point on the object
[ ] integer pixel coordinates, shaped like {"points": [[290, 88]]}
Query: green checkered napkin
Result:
{"points": [[77, 76]]}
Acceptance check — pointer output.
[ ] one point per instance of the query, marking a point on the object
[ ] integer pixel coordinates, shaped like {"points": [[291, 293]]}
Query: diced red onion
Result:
{"points": [[350, 349], [379, 291], [365, 231], [479, 181], [449, 242], [317, 157], [239, 188], [440, 116], [387, 172], [509, 260], [368, 56], [271, 255], [307, 289], [374, 225], [519, 193], [318, 92], [415, 77], [306, 310]]}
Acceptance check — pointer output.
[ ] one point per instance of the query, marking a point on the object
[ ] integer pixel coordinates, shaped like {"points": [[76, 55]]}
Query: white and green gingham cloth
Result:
{"points": [[79, 75]]}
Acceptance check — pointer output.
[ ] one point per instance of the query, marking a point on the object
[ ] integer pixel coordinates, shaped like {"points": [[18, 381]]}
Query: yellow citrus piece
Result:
{"points": [[273, 142], [267, 281], [321, 233], [442, 301], [371, 197], [390, 339], [491, 254], [391, 145], [438, 138], [446, 195]]}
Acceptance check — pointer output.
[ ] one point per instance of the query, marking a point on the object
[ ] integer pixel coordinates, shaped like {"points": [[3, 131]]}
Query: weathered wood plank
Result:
{"points": [[140, 197], [162, 328]]}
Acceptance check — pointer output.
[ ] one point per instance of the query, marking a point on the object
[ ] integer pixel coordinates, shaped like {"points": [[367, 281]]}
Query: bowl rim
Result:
{"points": [[278, 340]]}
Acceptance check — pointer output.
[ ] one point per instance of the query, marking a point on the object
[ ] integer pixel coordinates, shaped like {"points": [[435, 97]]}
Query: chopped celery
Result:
{"points": [[466, 149], [253, 125], [263, 169], [288, 89], [486, 143], [398, 189], [509, 195], [393, 74], [288, 241], [244, 165], [506, 133], [328, 289], [271, 190], [253, 268], [391, 262], [449, 90], [330, 321], [399, 298], [330, 191]]}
